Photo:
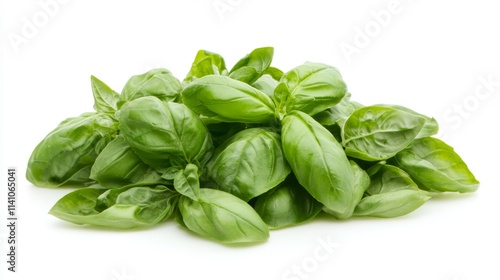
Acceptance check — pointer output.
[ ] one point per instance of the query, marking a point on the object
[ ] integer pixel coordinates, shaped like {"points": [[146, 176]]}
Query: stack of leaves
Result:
{"points": [[230, 154]]}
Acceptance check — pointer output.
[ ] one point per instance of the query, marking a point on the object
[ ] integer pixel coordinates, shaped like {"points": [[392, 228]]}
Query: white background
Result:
{"points": [[425, 55]]}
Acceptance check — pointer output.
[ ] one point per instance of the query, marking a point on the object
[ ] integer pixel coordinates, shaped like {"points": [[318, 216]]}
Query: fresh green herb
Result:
{"points": [[230, 154]]}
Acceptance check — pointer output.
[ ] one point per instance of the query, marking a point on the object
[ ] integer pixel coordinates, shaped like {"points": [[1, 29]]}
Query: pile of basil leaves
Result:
{"points": [[230, 154]]}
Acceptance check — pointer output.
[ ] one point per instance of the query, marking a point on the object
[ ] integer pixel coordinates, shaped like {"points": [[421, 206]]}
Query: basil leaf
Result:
{"points": [[221, 216], [361, 183], [319, 163], [248, 164], [220, 132], [253, 65], [65, 156], [127, 207], [165, 133], [228, 100], [157, 82], [286, 205], [391, 193], [435, 166], [375, 133], [206, 63], [282, 98], [105, 99], [118, 165], [266, 84], [313, 87], [187, 182], [431, 127], [274, 72], [339, 113]]}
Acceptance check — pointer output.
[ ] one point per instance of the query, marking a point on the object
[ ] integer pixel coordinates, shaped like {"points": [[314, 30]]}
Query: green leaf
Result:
{"points": [[391, 193], [431, 127], [361, 183], [220, 132], [228, 100], [286, 205], [375, 133], [313, 87], [127, 207], [319, 163], [253, 65], [206, 63], [266, 84], [282, 99], [435, 166], [223, 217], [338, 113], [187, 182], [274, 72], [65, 156], [248, 164], [163, 134], [118, 165], [157, 82], [105, 99]]}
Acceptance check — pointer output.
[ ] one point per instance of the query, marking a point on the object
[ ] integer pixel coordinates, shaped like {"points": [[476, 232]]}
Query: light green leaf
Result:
{"points": [[375, 133], [319, 163], [105, 99], [391, 193], [118, 165], [157, 82], [206, 63], [253, 65], [223, 217], [313, 87], [228, 100], [127, 207], [248, 164], [163, 134], [187, 182], [435, 166]]}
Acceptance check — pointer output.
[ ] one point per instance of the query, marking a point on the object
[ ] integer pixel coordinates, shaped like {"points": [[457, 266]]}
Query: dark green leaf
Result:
{"points": [[65, 156], [220, 132], [286, 205]]}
